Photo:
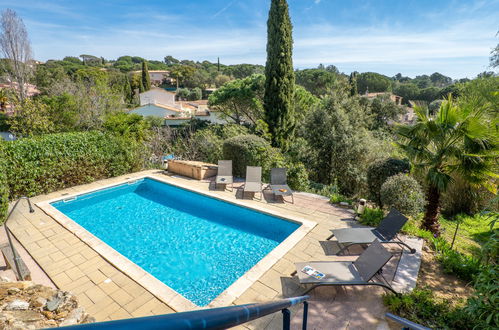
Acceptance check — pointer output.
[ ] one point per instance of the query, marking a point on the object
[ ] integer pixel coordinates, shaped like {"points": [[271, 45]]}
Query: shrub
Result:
{"points": [[420, 306], [195, 94], [337, 198], [463, 266], [321, 189], [127, 125], [461, 197], [484, 305], [51, 162], [251, 150], [297, 176], [403, 193], [4, 189], [371, 217], [379, 171]]}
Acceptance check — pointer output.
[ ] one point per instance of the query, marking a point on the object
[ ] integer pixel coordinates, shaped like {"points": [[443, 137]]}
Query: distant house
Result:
{"points": [[30, 89], [160, 103], [395, 98], [159, 77], [158, 96]]}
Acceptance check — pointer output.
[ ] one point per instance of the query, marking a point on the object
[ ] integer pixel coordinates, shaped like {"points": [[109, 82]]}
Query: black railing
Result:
{"points": [[406, 323], [15, 255], [215, 318]]}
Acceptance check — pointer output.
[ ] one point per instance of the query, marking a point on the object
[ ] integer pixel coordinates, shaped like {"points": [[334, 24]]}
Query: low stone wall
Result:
{"points": [[25, 305], [192, 169]]}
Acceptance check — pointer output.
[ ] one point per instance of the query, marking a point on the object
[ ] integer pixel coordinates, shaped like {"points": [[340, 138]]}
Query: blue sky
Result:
{"points": [[387, 36]]}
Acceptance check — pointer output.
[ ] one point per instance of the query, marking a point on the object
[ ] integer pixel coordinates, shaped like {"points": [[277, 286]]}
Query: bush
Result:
{"points": [[4, 189], [251, 150], [321, 189], [51, 162], [461, 197], [403, 193], [297, 176], [379, 171], [463, 266], [484, 305], [127, 125], [420, 306], [195, 94], [337, 198], [371, 217]]}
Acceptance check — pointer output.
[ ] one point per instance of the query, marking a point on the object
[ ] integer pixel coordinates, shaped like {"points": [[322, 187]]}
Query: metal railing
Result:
{"points": [[9, 238], [215, 318], [406, 323]]}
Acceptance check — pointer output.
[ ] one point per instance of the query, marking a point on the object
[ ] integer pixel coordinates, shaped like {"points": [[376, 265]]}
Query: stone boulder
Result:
{"points": [[25, 305]]}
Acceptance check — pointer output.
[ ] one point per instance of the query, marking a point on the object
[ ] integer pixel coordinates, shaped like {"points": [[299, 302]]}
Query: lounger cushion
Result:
{"points": [[223, 179], [335, 271], [276, 189], [356, 235]]}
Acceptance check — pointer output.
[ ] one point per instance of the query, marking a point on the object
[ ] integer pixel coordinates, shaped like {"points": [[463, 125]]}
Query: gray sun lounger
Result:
{"points": [[253, 180], [278, 183], [345, 273], [386, 232], [224, 174]]}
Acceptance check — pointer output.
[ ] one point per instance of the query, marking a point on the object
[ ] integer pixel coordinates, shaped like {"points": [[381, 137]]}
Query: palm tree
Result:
{"points": [[458, 140]]}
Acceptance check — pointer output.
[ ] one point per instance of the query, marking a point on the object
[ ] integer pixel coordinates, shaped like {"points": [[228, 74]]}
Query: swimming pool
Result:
{"points": [[195, 244]]}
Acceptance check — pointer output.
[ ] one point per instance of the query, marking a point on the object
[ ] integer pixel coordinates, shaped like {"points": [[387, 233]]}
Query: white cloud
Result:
{"points": [[459, 48]]}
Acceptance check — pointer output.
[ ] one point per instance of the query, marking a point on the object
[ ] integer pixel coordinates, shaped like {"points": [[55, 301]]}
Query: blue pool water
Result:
{"points": [[195, 244]]}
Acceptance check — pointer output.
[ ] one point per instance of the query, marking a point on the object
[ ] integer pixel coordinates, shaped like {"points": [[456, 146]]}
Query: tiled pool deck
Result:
{"points": [[107, 293]]}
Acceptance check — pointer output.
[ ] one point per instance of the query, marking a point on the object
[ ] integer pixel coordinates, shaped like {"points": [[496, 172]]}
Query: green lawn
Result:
{"points": [[473, 231]]}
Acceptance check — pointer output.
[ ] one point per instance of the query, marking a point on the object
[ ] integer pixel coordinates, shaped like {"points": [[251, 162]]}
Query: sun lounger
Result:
{"points": [[278, 183], [386, 232], [224, 174], [253, 180], [346, 273]]}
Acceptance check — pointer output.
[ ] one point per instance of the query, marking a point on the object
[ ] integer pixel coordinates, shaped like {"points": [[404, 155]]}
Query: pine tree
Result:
{"points": [[146, 80], [279, 75]]}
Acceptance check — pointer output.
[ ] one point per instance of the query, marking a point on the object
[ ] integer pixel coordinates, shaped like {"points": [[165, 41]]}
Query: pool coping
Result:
{"points": [[159, 289]]}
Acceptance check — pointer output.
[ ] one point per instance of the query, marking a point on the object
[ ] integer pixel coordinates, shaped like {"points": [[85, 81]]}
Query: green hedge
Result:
{"points": [[50, 162], [4, 189]]}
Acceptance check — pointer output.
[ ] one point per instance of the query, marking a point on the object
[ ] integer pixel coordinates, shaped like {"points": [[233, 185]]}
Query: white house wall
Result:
{"points": [[157, 96]]}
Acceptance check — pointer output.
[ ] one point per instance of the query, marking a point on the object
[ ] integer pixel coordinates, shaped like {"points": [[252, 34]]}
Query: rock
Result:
{"points": [[88, 319], [53, 303], [27, 316], [24, 305], [344, 204], [68, 321], [12, 291], [5, 279], [39, 302], [77, 314], [17, 305], [48, 314], [61, 315]]}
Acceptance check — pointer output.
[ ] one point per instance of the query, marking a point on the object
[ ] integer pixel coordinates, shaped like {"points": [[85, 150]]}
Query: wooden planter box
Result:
{"points": [[192, 169]]}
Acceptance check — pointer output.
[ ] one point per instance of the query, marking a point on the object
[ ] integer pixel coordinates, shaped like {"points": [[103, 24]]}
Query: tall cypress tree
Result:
{"points": [[146, 80], [352, 80], [280, 76]]}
